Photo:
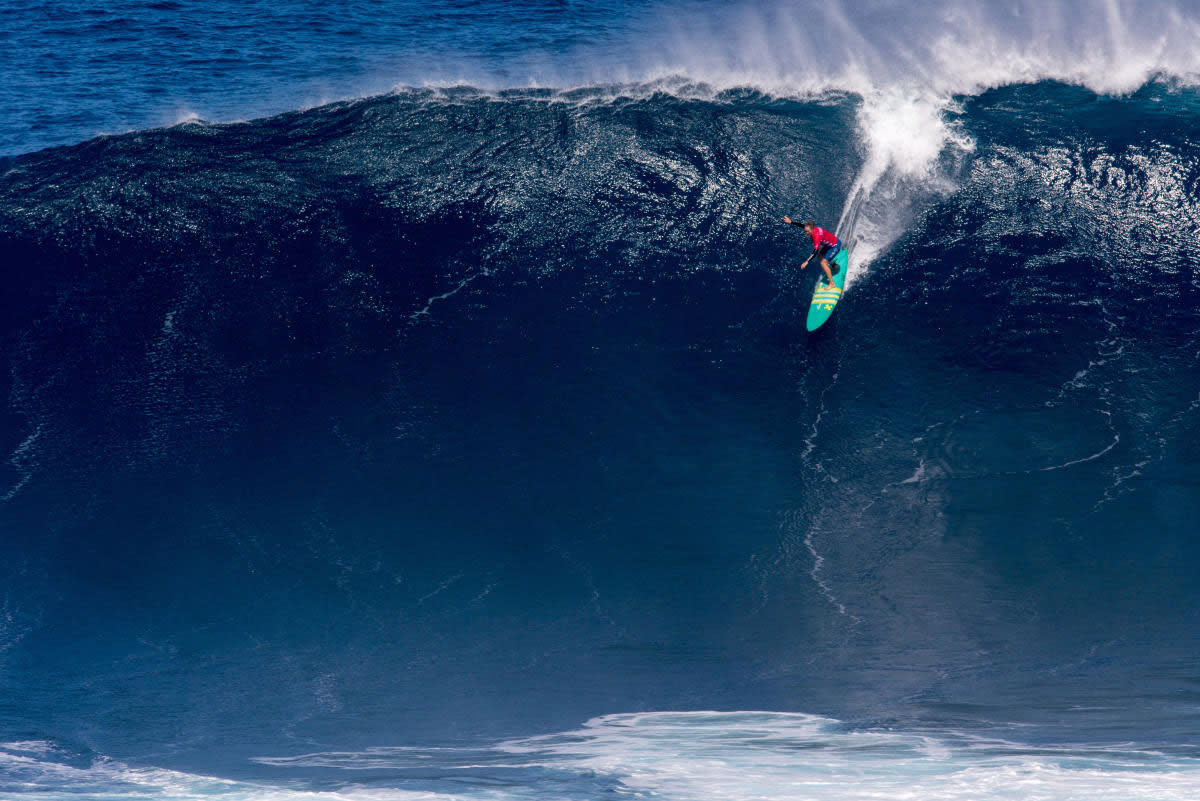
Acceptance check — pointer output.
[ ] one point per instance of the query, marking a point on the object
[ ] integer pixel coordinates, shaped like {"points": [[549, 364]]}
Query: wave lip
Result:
{"points": [[944, 48]]}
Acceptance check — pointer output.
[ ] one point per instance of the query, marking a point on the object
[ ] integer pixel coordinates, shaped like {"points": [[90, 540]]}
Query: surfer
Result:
{"points": [[825, 246]]}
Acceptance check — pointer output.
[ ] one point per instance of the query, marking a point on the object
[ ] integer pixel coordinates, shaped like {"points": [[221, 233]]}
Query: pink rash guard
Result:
{"points": [[822, 237]]}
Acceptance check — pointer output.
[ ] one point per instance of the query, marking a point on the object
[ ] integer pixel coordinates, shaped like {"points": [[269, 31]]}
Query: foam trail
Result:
{"points": [[815, 574], [905, 136], [22, 461], [848, 222], [426, 310]]}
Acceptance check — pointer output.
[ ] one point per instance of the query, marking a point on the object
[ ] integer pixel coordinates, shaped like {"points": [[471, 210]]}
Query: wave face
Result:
{"points": [[421, 428]]}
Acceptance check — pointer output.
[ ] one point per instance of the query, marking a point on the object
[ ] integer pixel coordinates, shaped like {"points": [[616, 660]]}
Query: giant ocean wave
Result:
{"points": [[440, 421]]}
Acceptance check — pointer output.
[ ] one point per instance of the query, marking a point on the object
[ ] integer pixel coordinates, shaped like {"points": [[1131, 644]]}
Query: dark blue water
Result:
{"points": [[466, 440]]}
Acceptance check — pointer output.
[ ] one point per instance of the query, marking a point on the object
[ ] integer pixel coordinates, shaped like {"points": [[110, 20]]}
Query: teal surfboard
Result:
{"points": [[825, 298]]}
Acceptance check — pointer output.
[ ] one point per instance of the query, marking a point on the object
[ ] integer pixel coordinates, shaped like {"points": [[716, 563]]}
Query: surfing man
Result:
{"points": [[825, 246]]}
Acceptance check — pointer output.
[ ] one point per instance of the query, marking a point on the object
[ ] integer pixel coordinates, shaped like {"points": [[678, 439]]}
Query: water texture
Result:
{"points": [[390, 426]]}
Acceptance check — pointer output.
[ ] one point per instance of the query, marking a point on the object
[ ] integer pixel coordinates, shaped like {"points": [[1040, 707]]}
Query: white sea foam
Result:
{"points": [[946, 48], [22, 776], [766, 756], [744, 755], [908, 62], [730, 756], [904, 133]]}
